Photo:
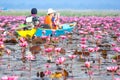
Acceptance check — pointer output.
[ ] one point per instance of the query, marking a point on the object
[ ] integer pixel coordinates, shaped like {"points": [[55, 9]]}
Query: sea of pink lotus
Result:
{"points": [[97, 27], [112, 23]]}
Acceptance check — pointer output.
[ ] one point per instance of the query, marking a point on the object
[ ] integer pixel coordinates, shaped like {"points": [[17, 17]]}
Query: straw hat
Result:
{"points": [[50, 10]]}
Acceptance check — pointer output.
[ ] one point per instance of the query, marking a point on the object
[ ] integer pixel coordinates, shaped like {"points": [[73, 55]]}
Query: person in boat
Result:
{"points": [[32, 20], [49, 19], [56, 21]]}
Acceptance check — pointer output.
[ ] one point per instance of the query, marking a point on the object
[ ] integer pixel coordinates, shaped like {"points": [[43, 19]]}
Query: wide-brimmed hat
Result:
{"points": [[50, 10]]}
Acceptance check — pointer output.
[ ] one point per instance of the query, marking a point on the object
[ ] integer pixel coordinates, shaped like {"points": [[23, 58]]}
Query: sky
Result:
{"points": [[61, 4]]}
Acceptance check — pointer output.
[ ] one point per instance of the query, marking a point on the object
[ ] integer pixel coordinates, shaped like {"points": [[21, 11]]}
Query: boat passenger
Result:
{"points": [[48, 18], [56, 21], [33, 20]]}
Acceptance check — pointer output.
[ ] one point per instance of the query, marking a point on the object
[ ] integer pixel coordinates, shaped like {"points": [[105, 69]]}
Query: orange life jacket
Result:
{"points": [[48, 21]]}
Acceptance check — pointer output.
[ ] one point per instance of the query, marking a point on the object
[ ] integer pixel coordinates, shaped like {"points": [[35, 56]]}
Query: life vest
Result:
{"points": [[48, 21]]}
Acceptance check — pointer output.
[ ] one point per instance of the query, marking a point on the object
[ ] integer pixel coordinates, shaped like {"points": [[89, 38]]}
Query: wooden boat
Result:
{"points": [[47, 32]]}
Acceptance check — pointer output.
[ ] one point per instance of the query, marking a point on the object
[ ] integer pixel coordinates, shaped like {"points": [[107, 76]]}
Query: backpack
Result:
{"points": [[35, 18], [32, 20]]}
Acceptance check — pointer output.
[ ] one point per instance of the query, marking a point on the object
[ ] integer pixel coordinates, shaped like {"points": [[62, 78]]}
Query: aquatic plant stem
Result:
{"points": [[113, 75]]}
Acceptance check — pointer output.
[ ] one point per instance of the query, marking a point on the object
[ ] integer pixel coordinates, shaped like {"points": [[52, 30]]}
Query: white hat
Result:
{"points": [[50, 10]]}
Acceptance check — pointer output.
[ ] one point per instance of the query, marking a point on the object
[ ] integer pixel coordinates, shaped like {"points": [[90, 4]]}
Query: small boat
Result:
{"points": [[47, 32]]}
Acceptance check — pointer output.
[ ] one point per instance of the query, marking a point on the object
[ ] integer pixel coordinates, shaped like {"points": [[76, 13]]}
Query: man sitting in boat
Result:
{"points": [[32, 20], [29, 27]]}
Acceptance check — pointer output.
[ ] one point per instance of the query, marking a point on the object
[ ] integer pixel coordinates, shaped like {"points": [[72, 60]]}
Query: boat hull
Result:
{"points": [[26, 33], [47, 32]]}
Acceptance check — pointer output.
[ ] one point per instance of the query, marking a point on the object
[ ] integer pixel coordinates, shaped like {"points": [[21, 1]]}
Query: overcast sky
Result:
{"points": [[60, 4]]}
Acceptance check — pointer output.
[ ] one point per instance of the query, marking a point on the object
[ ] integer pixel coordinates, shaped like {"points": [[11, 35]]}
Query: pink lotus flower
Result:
{"points": [[87, 64], [2, 39], [81, 32], [48, 39], [47, 72], [72, 56], [83, 46], [113, 44], [118, 73], [24, 44], [117, 78], [22, 39], [30, 57], [12, 77], [96, 48], [48, 50], [1, 29], [55, 38], [91, 49], [57, 49], [106, 33], [83, 42], [47, 65], [83, 39], [63, 37], [9, 78], [100, 32], [60, 60], [97, 29], [90, 72], [1, 42], [118, 39], [4, 34], [91, 30], [106, 27], [85, 32], [112, 68], [13, 28], [8, 51], [114, 61], [4, 78], [99, 37], [43, 37], [118, 34], [117, 49]]}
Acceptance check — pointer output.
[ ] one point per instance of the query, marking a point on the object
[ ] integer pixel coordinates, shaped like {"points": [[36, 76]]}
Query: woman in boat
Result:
{"points": [[48, 18]]}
